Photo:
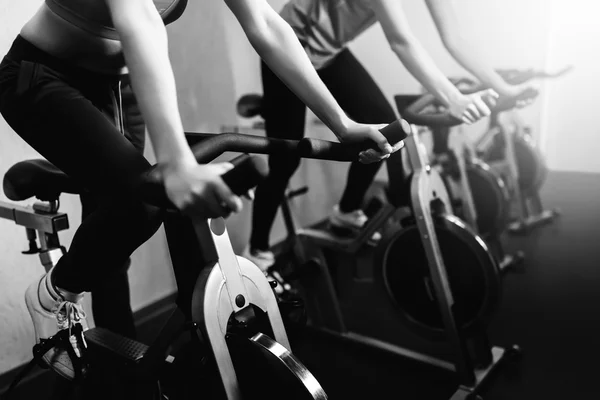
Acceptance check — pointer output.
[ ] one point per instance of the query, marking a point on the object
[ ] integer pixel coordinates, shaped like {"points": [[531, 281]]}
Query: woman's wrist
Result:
{"points": [[341, 126], [177, 157], [454, 97]]}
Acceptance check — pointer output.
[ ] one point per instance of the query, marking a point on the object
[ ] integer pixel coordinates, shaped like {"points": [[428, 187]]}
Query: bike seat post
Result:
{"points": [[50, 249], [460, 148]]}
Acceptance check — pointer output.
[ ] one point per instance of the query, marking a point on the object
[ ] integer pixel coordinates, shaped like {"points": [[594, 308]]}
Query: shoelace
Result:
{"points": [[359, 216], [68, 314]]}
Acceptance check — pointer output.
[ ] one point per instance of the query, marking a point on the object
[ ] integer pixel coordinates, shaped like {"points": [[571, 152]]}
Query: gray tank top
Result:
{"points": [[94, 16], [324, 27]]}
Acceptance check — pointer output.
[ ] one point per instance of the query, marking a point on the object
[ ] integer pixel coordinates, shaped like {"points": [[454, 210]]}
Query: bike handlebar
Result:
{"points": [[206, 147], [519, 76], [511, 76], [414, 112]]}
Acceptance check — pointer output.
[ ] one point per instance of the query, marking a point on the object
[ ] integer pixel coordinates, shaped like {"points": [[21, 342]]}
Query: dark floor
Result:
{"points": [[551, 311]]}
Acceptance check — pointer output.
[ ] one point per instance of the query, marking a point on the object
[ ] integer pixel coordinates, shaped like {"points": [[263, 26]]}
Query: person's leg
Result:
{"points": [[363, 101], [111, 302], [59, 116], [284, 116]]}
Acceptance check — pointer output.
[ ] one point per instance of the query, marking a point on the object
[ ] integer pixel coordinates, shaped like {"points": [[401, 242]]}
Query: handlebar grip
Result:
{"points": [[413, 115], [247, 172], [464, 81], [516, 76], [325, 149], [396, 132], [507, 103]]}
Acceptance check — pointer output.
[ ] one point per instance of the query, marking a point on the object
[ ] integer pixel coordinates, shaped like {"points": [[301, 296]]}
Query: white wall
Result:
{"points": [[16, 270], [572, 140]]}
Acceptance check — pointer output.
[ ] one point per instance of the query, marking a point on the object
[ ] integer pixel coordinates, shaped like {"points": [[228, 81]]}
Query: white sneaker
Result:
{"points": [[353, 221], [264, 259], [53, 310]]}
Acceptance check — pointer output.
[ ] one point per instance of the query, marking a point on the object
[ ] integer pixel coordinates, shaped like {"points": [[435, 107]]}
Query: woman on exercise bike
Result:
{"points": [[325, 27], [65, 89]]}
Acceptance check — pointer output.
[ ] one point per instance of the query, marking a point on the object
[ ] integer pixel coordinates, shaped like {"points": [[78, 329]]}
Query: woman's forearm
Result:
{"points": [[470, 60], [455, 40], [277, 44], [422, 67], [144, 41]]}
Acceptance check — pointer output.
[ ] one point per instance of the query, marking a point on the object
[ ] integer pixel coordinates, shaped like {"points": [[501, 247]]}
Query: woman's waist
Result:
{"points": [[72, 45], [23, 54]]}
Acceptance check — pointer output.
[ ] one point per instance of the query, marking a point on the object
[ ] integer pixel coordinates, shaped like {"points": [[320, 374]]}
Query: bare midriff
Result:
{"points": [[63, 40]]}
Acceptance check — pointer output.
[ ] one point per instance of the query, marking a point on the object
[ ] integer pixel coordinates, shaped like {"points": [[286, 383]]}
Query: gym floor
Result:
{"points": [[551, 310]]}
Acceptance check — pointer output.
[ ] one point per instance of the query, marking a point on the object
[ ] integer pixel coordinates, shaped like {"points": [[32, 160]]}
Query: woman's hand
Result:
{"points": [[512, 91], [355, 132], [472, 107], [199, 190]]}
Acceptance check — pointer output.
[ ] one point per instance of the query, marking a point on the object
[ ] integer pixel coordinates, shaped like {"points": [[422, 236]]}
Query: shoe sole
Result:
{"points": [[55, 359]]}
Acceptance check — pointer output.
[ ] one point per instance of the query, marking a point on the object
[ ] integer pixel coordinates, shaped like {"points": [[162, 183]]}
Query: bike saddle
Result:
{"points": [[405, 100], [37, 178], [250, 105]]}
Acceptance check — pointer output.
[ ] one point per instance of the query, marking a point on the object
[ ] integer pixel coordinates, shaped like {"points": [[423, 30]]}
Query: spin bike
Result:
{"points": [[224, 301], [508, 147], [426, 292], [484, 198]]}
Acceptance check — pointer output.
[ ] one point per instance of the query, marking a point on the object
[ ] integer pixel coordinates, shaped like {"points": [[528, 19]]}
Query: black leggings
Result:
{"points": [[284, 114], [67, 115]]}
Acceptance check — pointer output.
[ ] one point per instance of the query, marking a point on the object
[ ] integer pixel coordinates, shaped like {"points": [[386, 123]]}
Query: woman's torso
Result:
{"points": [[81, 32], [324, 27]]}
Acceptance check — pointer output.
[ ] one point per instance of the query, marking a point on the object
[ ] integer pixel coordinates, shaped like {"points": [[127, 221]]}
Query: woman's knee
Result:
{"points": [[153, 217], [138, 220]]}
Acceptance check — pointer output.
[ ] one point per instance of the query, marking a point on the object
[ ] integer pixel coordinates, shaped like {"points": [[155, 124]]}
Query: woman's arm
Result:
{"points": [[411, 53], [191, 187], [463, 51], [277, 44], [144, 39]]}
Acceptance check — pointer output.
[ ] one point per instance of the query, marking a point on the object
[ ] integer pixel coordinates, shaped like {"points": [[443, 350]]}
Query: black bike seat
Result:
{"points": [[37, 178], [250, 105], [405, 100]]}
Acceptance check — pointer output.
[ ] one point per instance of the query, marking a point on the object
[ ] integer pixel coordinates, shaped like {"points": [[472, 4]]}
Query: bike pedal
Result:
{"points": [[115, 346]]}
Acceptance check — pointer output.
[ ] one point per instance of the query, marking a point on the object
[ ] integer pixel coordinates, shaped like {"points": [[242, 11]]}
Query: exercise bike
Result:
{"points": [[427, 292], [508, 146], [224, 301], [478, 193]]}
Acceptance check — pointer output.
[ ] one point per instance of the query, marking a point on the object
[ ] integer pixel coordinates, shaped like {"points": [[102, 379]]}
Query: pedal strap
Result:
{"points": [[60, 340], [79, 362]]}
